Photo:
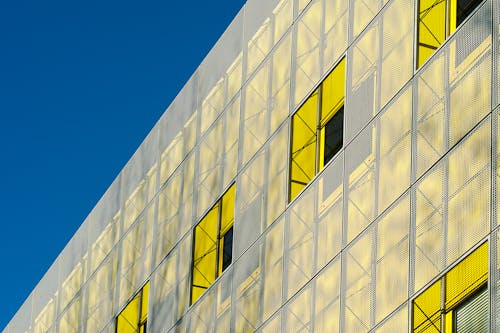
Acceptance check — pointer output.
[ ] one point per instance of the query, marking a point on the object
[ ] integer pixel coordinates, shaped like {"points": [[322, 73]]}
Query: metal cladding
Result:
{"points": [[375, 229]]}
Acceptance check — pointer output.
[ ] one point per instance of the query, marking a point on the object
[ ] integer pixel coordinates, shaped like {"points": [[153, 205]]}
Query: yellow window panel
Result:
{"points": [[431, 27], [227, 210], [453, 15], [133, 317], [427, 310], [144, 302], [332, 93], [467, 277], [448, 322], [461, 283], [213, 244], [332, 114], [204, 255], [303, 159], [226, 230], [128, 319]]}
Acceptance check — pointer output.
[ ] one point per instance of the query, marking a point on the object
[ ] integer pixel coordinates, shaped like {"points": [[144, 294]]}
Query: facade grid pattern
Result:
{"points": [[412, 192]]}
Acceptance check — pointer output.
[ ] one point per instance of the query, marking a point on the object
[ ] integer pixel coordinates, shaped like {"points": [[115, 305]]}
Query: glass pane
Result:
{"points": [[332, 114], [427, 310], [331, 137], [204, 256], [431, 27], [332, 93], [460, 10], [128, 319], [303, 163], [226, 250]]}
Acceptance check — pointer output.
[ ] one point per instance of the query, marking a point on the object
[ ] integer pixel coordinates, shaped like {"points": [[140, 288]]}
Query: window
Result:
{"points": [[458, 301], [438, 19], [317, 130], [472, 315], [213, 244], [133, 317]]}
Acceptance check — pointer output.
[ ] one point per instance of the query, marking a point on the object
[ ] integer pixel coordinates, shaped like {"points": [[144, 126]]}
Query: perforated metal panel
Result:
{"points": [[410, 193], [381, 63]]}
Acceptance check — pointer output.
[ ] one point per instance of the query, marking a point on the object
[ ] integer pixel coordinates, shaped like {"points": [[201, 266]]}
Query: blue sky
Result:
{"points": [[81, 85]]}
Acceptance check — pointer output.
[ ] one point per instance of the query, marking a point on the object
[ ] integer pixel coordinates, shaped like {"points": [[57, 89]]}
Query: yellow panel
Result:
{"points": [[205, 256], [128, 319], [332, 94], [227, 210], [426, 310], [303, 163], [453, 15], [226, 223], [431, 27], [144, 302], [448, 322], [332, 100], [465, 278]]}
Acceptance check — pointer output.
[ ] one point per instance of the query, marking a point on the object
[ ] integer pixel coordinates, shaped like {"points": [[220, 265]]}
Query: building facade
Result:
{"points": [[331, 166]]}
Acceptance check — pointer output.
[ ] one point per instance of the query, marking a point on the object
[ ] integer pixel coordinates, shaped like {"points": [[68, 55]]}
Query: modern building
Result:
{"points": [[331, 166]]}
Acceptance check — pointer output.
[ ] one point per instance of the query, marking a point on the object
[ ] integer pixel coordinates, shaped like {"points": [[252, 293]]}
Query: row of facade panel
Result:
{"points": [[391, 159]]}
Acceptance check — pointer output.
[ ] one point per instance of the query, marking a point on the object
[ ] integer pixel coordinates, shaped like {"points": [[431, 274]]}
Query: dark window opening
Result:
{"points": [[227, 250], [465, 8], [334, 133]]}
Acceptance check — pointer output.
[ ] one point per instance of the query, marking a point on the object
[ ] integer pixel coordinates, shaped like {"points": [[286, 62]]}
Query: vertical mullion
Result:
{"points": [[217, 240], [318, 127]]}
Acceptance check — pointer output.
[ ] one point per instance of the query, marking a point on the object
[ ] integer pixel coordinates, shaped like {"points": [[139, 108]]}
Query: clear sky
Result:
{"points": [[81, 85]]}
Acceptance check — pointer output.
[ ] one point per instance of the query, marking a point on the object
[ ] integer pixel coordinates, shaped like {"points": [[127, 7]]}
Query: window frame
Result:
{"points": [[470, 298], [142, 296], [220, 233], [450, 23], [335, 78], [444, 313]]}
